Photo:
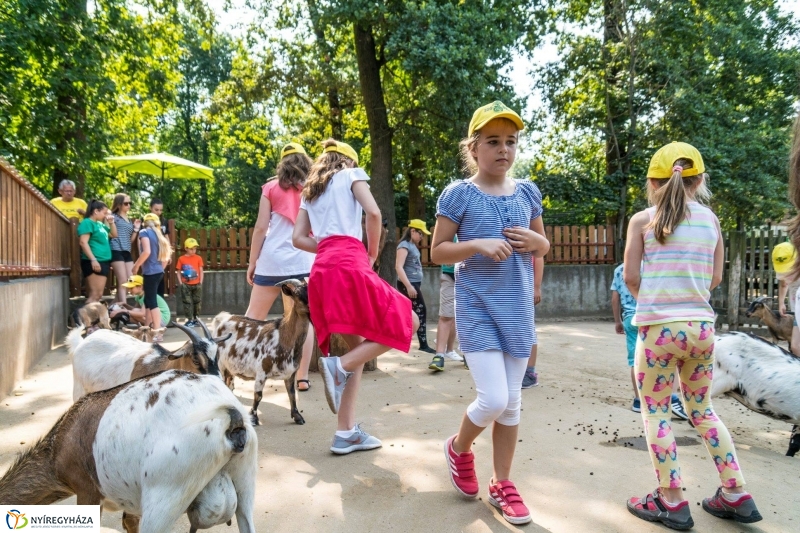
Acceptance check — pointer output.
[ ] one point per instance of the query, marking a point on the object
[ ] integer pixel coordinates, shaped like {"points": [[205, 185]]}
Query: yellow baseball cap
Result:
{"points": [[420, 225], [152, 217], [344, 149], [496, 109], [292, 148], [664, 160], [190, 243], [134, 281], [783, 257]]}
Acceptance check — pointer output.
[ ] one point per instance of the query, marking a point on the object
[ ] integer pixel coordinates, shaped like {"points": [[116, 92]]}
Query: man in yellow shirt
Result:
{"points": [[70, 206]]}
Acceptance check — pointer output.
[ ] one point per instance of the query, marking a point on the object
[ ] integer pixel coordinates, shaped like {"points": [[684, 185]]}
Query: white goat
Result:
{"points": [[215, 505], [761, 376], [107, 358], [149, 447], [269, 349]]}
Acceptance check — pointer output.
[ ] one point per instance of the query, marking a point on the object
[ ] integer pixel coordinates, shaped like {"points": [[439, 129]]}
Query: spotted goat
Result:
{"points": [[266, 349], [761, 376], [160, 446], [107, 358]]}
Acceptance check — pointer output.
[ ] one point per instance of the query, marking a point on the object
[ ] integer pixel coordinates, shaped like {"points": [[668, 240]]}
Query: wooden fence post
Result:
{"points": [[734, 278]]}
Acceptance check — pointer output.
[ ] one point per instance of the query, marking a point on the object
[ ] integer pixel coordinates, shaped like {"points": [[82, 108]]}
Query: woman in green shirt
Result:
{"points": [[94, 233]]}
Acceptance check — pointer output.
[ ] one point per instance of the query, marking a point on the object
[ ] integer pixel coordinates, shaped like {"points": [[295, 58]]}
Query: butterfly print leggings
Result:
{"points": [[689, 348]]}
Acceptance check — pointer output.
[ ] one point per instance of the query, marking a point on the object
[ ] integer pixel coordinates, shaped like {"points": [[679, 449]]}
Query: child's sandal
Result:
{"points": [[308, 385]]}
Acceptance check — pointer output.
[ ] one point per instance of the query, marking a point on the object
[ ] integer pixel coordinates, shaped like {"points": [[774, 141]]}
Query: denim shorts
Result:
{"points": [[271, 281]]}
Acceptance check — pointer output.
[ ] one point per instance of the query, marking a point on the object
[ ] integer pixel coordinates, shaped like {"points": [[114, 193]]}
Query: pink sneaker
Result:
{"points": [[462, 470], [505, 497]]}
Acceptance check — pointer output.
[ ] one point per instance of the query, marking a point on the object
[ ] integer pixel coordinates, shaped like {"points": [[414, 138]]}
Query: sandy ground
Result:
{"points": [[573, 478]]}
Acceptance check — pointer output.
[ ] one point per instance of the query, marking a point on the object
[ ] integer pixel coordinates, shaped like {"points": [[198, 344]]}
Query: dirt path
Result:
{"points": [[572, 477]]}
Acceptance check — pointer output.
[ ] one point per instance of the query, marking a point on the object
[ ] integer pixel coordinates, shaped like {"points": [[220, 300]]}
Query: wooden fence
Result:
{"points": [[229, 248], [35, 238]]}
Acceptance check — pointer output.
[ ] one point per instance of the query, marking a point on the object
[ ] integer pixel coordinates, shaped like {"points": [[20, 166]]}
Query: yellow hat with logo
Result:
{"points": [[152, 217], [783, 257], [134, 281], [292, 148], [663, 161], [496, 109], [191, 243], [420, 225], [344, 149]]}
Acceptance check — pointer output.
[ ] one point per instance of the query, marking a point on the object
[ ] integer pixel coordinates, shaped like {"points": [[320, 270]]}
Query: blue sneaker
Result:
{"points": [[334, 378], [359, 440], [530, 380], [637, 405], [677, 408]]}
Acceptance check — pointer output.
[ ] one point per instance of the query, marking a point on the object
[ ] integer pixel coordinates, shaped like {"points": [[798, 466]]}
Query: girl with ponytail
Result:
{"points": [[673, 259], [155, 253]]}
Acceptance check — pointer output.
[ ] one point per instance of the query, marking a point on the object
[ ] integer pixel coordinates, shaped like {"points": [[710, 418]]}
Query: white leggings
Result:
{"points": [[498, 382]]}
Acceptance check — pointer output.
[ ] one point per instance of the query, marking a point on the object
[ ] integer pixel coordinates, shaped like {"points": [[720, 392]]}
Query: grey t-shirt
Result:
{"points": [[413, 265]]}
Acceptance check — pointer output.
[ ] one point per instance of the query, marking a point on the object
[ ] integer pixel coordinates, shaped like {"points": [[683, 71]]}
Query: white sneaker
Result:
{"points": [[453, 356]]}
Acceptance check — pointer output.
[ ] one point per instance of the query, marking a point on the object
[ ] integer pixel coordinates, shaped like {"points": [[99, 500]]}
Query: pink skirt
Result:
{"points": [[345, 296]]}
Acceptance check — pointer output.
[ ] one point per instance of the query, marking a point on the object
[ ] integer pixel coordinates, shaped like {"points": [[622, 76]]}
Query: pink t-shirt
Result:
{"points": [[285, 202]]}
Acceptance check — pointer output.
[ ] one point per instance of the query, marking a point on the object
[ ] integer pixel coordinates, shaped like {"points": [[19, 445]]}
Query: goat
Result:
{"points": [[268, 349], [150, 447], [780, 327], [107, 358], [143, 333], [760, 375]]}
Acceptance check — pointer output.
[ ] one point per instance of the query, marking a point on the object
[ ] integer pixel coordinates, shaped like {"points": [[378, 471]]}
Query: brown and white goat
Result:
{"points": [[107, 358], [143, 333], [153, 448], [780, 327], [266, 349]]}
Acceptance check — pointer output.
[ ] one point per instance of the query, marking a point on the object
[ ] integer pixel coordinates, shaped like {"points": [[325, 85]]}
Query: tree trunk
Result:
{"points": [[72, 110], [416, 179], [380, 141]]}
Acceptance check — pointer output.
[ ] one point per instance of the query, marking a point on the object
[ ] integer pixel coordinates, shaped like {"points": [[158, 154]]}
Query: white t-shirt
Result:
{"points": [[336, 211], [278, 256]]}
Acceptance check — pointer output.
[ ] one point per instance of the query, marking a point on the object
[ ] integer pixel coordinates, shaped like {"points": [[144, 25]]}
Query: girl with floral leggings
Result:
{"points": [[678, 246]]}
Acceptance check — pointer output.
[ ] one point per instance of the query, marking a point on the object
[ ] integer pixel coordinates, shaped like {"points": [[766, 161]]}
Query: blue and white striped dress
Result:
{"points": [[494, 301]]}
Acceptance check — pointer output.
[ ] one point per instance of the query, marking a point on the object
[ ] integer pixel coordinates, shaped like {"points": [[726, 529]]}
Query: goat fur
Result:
{"points": [[780, 327], [144, 333], [108, 358], [266, 349], [761, 376], [149, 447]]}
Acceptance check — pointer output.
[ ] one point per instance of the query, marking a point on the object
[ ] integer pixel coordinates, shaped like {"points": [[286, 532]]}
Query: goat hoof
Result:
{"points": [[254, 419], [298, 419]]}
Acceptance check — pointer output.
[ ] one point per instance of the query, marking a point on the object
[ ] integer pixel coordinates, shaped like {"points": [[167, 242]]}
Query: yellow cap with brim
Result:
{"points": [[134, 281], [420, 225], [783, 257], [489, 112], [292, 148], [190, 243], [344, 149], [152, 217], [663, 161]]}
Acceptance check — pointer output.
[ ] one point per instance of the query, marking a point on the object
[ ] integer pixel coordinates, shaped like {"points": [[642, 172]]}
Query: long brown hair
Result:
{"points": [[292, 170], [671, 199], [323, 169], [116, 205], [794, 191]]}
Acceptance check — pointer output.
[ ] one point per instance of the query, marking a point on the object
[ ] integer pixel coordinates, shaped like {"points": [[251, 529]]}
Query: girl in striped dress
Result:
{"points": [[677, 244], [499, 226]]}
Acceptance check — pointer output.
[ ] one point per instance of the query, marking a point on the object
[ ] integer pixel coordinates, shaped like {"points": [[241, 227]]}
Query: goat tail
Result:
{"points": [[74, 338], [238, 423]]}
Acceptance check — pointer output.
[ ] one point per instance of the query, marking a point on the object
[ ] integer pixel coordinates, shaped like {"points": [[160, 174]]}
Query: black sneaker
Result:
{"points": [[677, 408], [653, 508], [438, 363]]}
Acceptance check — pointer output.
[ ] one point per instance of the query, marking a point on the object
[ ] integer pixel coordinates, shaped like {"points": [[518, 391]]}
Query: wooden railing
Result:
{"points": [[35, 238], [229, 248]]}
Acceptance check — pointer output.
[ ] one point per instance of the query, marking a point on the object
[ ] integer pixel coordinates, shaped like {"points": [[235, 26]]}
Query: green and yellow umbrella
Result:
{"points": [[160, 164]]}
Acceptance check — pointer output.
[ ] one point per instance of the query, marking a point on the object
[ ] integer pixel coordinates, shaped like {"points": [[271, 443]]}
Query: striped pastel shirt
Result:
{"points": [[493, 301], [676, 276]]}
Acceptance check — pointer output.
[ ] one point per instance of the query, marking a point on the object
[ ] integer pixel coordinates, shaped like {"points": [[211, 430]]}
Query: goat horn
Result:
{"points": [[190, 332], [293, 281], [205, 329], [223, 338]]}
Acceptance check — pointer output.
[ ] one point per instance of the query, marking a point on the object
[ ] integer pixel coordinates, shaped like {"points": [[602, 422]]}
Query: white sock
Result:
{"points": [[731, 497], [345, 433]]}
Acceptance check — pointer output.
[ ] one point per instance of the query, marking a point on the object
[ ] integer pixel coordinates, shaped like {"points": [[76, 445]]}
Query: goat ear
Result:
{"points": [[180, 352], [288, 289]]}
